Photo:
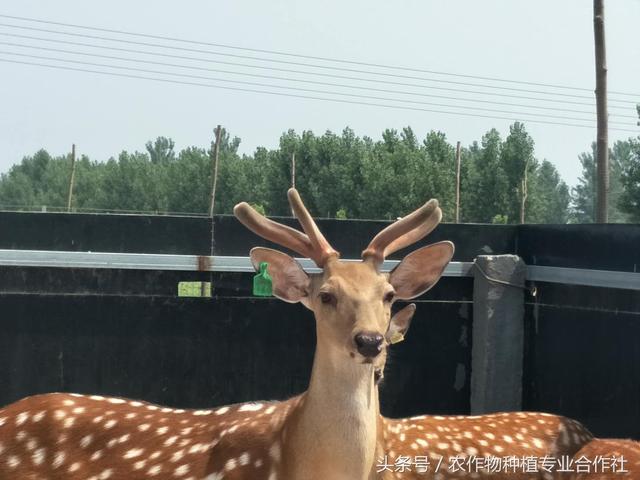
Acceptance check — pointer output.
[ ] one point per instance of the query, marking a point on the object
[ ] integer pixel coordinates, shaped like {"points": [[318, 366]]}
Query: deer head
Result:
{"points": [[351, 300]]}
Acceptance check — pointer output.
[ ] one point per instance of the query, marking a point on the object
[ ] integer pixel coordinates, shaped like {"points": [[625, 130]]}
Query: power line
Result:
{"points": [[327, 75], [309, 57], [297, 89], [155, 45], [281, 94], [173, 65]]}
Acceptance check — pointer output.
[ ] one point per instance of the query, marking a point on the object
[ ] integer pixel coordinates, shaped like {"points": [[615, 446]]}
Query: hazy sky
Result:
{"points": [[544, 41]]}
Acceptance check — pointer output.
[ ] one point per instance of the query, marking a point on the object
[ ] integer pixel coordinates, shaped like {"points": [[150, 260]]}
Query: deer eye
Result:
{"points": [[388, 298], [327, 298]]}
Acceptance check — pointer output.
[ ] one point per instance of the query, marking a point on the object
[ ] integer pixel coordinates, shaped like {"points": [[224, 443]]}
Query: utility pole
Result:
{"points": [[214, 155], [458, 182], [524, 193], [602, 143], [72, 178], [293, 170]]}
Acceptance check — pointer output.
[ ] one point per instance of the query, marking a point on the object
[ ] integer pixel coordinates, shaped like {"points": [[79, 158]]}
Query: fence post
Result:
{"points": [[498, 333]]}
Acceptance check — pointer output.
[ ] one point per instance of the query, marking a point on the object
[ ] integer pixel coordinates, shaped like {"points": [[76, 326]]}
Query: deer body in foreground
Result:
{"points": [[333, 431], [607, 459]]}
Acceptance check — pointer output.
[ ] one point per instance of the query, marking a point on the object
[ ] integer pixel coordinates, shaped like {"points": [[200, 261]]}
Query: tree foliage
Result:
{"points": [[629, 200], [584, 193], [339, 175]]}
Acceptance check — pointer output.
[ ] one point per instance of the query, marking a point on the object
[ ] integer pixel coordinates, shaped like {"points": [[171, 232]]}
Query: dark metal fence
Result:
{"points": [[125, 332]]}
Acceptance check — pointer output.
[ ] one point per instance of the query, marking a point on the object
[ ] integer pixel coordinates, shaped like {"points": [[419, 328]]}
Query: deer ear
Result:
{"points": [[420, 270], [400, 323], [289, 280]]}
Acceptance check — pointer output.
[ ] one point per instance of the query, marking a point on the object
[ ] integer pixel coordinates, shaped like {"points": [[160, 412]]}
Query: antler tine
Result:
{"points": [[404, 232], [276, 232], [320, 244]]}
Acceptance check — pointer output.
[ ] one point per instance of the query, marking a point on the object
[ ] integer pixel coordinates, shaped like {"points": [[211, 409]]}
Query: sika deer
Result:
{"points": [[333, 431], [607, 459]]}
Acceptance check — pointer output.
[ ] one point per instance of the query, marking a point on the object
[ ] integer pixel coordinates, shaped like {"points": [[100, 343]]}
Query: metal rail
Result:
{"points": [[146, 261], [219, 263], [582, 276]]}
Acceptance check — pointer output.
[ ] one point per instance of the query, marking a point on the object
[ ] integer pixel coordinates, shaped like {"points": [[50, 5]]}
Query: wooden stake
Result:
{"points": [[216, 149], [458, 182], [293, 170], [72, 178], [602, 143], [524, 193]]}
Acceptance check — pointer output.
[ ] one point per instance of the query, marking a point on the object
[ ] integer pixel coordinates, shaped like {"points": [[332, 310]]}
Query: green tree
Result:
{"points": [[516, 157], [629, 200], [485, 190], [584, 194], [436, 173], [549, 198], [161, 150]]}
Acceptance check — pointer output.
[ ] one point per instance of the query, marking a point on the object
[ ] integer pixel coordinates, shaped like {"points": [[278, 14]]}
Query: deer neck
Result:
{"points": [[333, 433]]}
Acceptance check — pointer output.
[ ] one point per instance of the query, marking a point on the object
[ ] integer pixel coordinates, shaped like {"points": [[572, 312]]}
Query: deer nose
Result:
{"points": [[369, 344]]}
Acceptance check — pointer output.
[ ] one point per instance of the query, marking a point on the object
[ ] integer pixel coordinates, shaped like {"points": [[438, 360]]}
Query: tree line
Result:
{"points": [[338, 175]]}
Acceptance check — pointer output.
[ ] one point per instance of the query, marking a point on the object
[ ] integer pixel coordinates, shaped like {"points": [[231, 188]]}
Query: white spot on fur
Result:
{"points": [[275, 452], [155, 470], [21, 418], [105, 474], [230, 464], [134, 452], [96, 455], [181, 470], [250, 407], [38, 456], [86, 441]]}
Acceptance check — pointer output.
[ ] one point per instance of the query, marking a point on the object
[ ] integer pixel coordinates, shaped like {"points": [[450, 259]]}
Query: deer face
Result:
{"points": [[351, 301], [352, 305]]}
